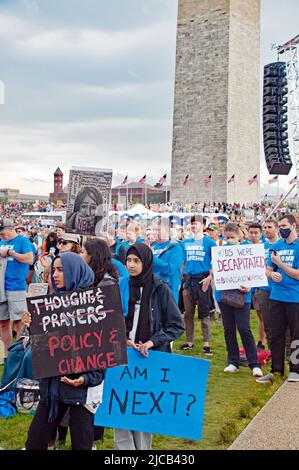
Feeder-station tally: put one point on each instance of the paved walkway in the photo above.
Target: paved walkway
(276, 426)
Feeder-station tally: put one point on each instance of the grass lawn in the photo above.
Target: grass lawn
(232, 400)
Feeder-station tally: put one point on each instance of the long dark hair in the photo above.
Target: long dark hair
(51, 244)
(101, 259)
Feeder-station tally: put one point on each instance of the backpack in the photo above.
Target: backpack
(263, 357)
(7, 404)
(27, 396)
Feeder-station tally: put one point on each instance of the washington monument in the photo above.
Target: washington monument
(216, 127)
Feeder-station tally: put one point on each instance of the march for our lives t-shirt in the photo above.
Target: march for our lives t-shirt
(198, 256)
(16, 272)
(288, 289)
(159, 247)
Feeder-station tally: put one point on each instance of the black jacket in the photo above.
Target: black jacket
(166, 322)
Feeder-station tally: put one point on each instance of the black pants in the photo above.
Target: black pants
(283, 315)
(234, 319)
(81, 427)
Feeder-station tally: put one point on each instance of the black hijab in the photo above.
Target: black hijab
(145, 281)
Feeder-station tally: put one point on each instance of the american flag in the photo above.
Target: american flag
(208, 180)
(294, 180)
(186, 181)
(143, 180)
(161, 181)
(125, 180)
(232, 179)
(253, 180)
(273, 180)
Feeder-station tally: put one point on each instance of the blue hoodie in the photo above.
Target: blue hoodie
(168, 265)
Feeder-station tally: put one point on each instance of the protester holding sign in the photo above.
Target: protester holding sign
(235, 310)
(80, 392)
(197, 270)
(153, 321)
(283, 270)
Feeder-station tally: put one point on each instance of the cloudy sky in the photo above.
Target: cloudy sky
(91, 82)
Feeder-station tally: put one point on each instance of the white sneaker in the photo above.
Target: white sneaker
(231, 368)
(257, 372)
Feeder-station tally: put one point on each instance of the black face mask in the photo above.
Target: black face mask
(285, 233)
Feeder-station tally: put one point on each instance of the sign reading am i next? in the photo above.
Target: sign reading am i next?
(73, 332)
(161, 394)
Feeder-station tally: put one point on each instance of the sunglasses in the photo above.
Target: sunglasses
(64, 242)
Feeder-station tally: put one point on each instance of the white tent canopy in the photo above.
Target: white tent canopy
(141, 212)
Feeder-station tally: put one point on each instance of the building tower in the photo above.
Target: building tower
(58, 181)
(59, 193)
(216, 129)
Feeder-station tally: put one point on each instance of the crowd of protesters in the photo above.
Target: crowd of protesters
(156, 263)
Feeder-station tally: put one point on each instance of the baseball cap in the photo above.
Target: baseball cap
(6, 223)
(71, 237)
(213, 227)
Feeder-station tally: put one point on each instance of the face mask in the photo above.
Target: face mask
(285, 233)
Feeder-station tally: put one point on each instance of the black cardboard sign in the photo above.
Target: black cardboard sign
(73, 332)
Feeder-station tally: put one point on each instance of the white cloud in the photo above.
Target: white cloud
(120, 91)
(37, 150)
(32, 42)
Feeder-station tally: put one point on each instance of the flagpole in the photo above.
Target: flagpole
(278, 205)
(145, 197)
(278, 188)
(127, 197)
(235, 201)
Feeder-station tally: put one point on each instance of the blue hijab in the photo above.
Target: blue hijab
(77, 275)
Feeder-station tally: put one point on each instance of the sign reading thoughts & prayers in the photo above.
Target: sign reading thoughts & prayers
(78, 331)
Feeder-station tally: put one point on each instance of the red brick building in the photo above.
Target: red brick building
(59, 194)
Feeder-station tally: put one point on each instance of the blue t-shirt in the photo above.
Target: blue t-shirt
(267, 246)
(198, 256)
(288, 289)
(16, 273)
(159, 247)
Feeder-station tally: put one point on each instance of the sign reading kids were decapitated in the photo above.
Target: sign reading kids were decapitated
(78, 331)
(162, 394)
(239, 265)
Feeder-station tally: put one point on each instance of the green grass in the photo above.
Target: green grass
(232, 401)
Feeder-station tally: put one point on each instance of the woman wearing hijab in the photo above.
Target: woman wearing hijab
(81, 393)
(153, 321)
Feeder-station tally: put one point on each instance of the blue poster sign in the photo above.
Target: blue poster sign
(159, 394)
